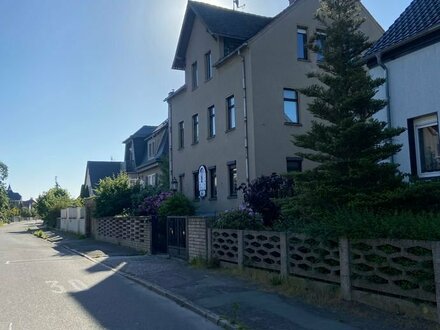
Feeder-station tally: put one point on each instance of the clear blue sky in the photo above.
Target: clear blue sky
(78, 77)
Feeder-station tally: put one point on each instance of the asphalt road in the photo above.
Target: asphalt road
(45, 287)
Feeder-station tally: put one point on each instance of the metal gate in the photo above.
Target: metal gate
(159, 235)
(176, 231)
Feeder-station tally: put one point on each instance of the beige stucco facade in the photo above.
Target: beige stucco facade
(271, 65)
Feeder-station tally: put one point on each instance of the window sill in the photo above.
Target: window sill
(212, 199)
(196, 200)
(180, 148)
(230, 130)
(233, 197)
(289, 123)
(210, 138)
(208, 80)
(195, 88)
(195, 143)
(303, 60)
(427, 176)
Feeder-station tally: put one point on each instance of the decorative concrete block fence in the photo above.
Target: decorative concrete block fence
(132, 232)
(73, 220)
(400, 268)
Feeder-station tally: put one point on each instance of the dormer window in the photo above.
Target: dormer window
(229, 45)
(151, 149)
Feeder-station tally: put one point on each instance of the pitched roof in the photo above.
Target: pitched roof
(219, 22)
(142, 133)
(420, 17)
(101, 170)
(13, 196)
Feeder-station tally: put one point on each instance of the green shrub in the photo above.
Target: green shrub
(238, 219)
(365, 225)
(113, 195)
(177, 204)
(50, 203)
(421, 196)
(41, 234)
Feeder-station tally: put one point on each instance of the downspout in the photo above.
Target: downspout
(245, 112)
(387, 91)
(170, 141)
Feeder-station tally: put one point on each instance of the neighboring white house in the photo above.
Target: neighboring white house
(408, 55)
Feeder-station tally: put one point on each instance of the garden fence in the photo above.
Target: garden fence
(404, 268)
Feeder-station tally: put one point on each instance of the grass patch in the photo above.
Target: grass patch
(41, 234)
(312, 292)
(199, 262)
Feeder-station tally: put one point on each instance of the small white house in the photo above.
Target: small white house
(408, 56)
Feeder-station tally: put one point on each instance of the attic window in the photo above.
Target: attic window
(151, 149)
(230, 45)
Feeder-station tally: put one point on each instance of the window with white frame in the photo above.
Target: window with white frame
(320, 43)
(302, 51)
(195, 75)
(427, 146)
(211, 122)
(208, 66)
(151, 149)
(291, 106)
(151, 179)
(230, 113)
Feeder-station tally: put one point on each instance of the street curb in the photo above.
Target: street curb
(216, 319)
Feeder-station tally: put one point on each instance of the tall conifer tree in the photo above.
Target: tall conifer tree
(351, 147)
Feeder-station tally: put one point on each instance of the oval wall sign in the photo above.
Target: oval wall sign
(202, 181)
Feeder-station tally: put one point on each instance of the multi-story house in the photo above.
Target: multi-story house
(236, 113)
(408, 56)
(144, 150)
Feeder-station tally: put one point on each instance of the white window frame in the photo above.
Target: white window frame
(422, 122)
(151, 180)
(151, 149)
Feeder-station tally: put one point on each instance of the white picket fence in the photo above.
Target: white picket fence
(73, 220)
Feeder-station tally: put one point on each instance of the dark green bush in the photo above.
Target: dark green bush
(365, 225)
(418, 197)
(238, 219)
(177, 204)
(50, 203)
(113, 195)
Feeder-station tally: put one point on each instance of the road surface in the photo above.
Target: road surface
(43, 286)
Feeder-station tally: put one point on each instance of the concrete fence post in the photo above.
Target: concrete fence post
(240, 247)
(344, 260)
(209, 245)
(436, 263)
(284, 271)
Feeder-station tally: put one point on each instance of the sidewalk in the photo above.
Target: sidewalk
(234, 299)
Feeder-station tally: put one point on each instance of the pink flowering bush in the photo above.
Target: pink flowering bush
(150, 206)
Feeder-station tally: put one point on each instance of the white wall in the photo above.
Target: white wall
(73, 220)
(414, 91)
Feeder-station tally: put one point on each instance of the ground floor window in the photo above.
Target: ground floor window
(426, 146)
(213, 182)
(181, 177)
(196, 185)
